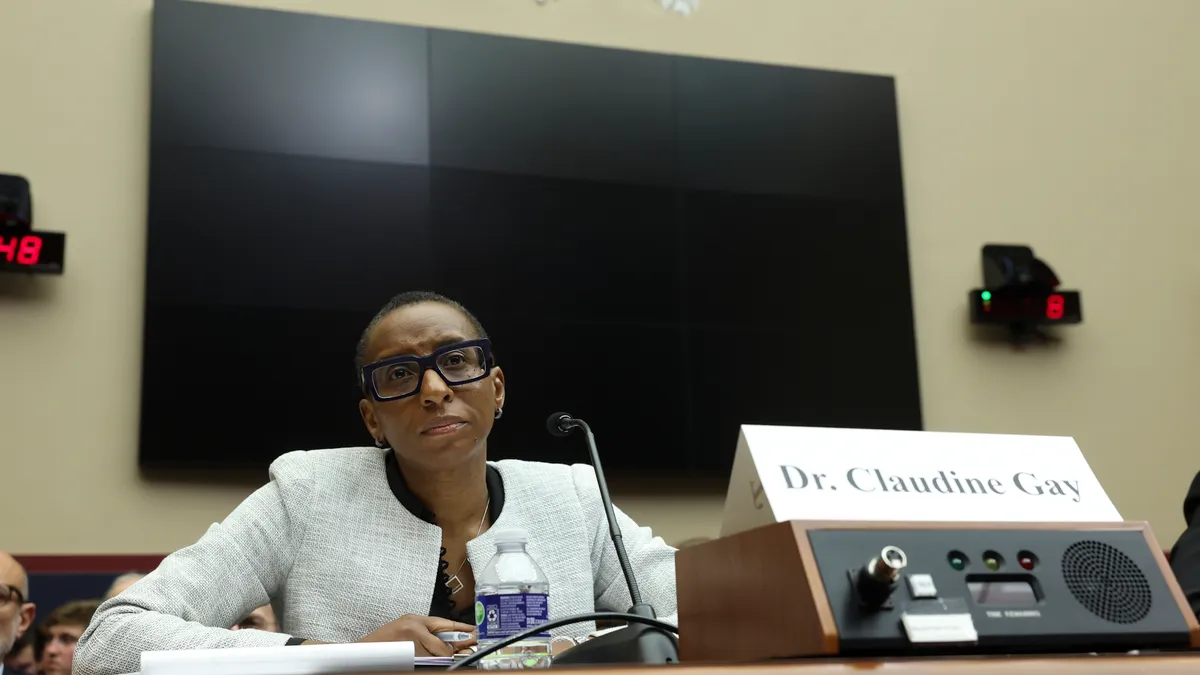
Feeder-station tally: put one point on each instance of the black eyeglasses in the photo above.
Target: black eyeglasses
(400, 376)
(8, 592)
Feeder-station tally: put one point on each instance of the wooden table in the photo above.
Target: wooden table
(1125, 664)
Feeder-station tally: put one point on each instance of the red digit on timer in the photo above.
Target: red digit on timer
(30, 250)
(1054, 307)
(9, 249)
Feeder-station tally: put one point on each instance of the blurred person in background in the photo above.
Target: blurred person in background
(22, 658)
(1185, 556)
(121, 583)
(16, 613)
(62, 630)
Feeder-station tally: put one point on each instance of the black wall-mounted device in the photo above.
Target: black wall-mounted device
(22, 249)
(1021, 292)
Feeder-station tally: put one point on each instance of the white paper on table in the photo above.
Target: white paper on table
(367, 657)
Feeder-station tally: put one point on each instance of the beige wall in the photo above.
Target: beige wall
(1073, 125)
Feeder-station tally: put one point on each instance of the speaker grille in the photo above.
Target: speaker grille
(1107, 582)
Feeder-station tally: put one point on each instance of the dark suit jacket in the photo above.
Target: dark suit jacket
(1185, 556)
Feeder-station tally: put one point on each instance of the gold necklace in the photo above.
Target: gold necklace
(453, 583)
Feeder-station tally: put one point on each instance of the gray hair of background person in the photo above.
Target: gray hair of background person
(121, 583)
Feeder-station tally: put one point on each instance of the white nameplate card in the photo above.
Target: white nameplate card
(939, 628)
(810, 473)
(367, 657)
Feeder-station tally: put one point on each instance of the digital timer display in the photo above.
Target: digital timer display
(1017, 593)
(37, 252)
(1027, 306)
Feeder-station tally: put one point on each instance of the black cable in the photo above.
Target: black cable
(565, 621)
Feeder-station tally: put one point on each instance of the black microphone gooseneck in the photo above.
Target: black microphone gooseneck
(635, 644)
(562, 424)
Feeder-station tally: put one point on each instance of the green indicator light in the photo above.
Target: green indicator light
(986, 295)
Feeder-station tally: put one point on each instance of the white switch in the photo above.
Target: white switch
(921, 586)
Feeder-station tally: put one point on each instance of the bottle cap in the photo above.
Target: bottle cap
(512, 536)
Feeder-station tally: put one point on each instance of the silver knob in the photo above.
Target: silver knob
(885, 567)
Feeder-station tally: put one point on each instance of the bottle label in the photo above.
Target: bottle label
(504, 615)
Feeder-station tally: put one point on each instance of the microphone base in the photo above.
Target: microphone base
(636, 643)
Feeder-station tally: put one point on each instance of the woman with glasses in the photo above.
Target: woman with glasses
(382, 543)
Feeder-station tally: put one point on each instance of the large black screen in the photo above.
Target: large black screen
(665, 246)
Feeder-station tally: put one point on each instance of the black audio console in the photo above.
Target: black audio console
(948, 591)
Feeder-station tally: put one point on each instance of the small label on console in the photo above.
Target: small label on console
(1014, 614)
(939, 628)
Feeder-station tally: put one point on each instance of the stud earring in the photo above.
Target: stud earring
(379, 443)
(499, 413)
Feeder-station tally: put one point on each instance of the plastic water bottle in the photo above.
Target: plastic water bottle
(511, 595)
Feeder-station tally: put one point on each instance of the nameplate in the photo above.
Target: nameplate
(809, 473)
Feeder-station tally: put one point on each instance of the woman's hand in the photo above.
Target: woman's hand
(420, 631)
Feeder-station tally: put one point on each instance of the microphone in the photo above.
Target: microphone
(635, 644)
(559, 424)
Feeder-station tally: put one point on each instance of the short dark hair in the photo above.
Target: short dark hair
(404, 300)
(74, 613)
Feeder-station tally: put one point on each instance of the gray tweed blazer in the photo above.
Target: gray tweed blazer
(327, 543)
